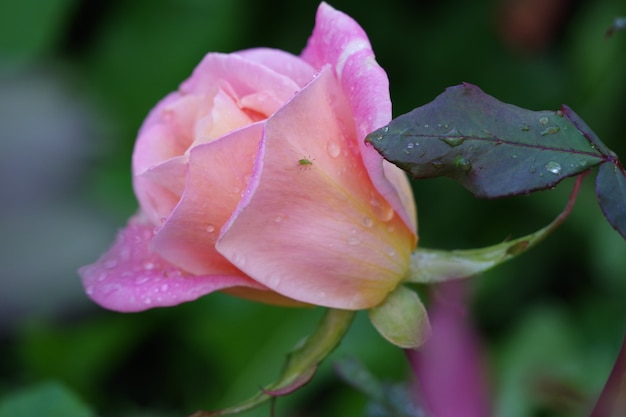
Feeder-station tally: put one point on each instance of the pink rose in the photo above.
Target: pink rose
(254, 179)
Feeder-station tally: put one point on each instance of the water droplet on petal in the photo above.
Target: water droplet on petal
(210, 228)
(383, 210)
(333, 149)
(239, 260)
(553, 167)
(142, 279)
(278, 219)
(368, 222)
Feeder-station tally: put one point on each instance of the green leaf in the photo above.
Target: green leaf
(492, 148)
(611, 192)
(48, 399)
(301, 363)
(402, 318)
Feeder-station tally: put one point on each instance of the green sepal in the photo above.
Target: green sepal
(301, 363)
(402, 318)
(429, 266)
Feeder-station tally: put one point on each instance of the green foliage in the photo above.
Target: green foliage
(496, 149)
(48, 399)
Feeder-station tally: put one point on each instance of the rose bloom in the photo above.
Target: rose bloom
(254, 179)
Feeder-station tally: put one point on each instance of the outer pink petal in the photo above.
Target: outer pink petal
(282, 62)
(159, 188)
(218, 174)
(319, 232)
(130, 277)
(339, 41)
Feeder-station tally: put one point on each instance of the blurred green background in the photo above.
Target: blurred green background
(77, 77)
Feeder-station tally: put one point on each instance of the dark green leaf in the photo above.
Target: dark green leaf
(492, 148)
(611, 192)
(46, 399)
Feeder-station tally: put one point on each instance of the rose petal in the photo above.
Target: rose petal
(217, 177)
(338, 40)
(169, 129)
(317, 232)
(245, 77)
(130, 277)
(282, 62)
(159, 188)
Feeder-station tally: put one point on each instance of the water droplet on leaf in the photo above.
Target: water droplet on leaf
(549, 130)
(543, 120)
(463, 164)
(553, 167)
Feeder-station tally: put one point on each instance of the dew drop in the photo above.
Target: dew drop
(333, 149)
(437, 164)
(278, 219)
(543, 120)
(238, 260)
(385, 129)
(532, 169)
(410, 145)
(463, 164)
(383, 210)
(142, 279)
(452, 141)
(210, 228)
(426, 125)
(524, 127)
(553, 167)
(368, 222)
(551, 130)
